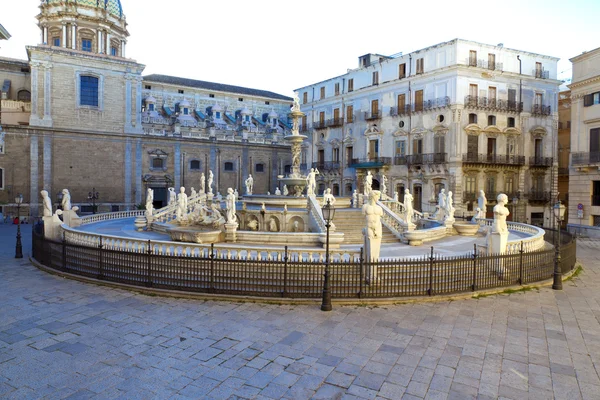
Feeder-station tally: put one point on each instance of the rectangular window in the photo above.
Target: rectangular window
(113, 51)
(473, 90)
(491, 61)
(86, 45)
(419, 100)
(337, 88)
(595, 193)
(400, 148)
(322, 92)
(375, 77)
(491, 185)
(491, 146)
(439, 144)
(538, 99)
(56, 41)
(417, 146)
(538, 70)
(510, 147)
(151, 107)
(212, 96)
(472, 147)
(470, 184)
(595, 142)
(509, 185)
(321, 156)
(180, 91)
(267, 103)
(336, 116)
(349, 155)
(591, 99)
(472, 58)
(420, 66)
(148, 87)
(373, 149)
(492, 94)
(1, 178)
(401, 103)
(322, 118)
(158, 163)
(259, 168)
(539, 149)
(304, 123)
(350, 114)
(336, 155)
(350, 85)
(374, 108)
(305, 97)
(402, 71)
(88, 93)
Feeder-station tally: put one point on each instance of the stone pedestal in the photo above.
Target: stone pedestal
(209, 197)
(372, 249)
(140, 223)
(52, 225)
(231, 232)
(71, 218)
(497, 243)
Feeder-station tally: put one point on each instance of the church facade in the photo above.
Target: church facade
(79, 114)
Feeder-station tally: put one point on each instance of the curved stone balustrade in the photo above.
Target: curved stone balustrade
(90, 219)
(532, 243)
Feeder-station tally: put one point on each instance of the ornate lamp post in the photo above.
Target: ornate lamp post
(328, 214)
(559, 213)
(93, 196)
(19, 246)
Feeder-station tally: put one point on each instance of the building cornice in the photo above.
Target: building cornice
(584, 82)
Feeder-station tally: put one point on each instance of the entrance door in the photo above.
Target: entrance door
(375, 184)
(417, 196)
(160, 197)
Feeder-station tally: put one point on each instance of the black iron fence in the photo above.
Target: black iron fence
(429, 275)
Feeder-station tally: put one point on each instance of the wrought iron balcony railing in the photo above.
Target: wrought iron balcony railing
(401, 160)
(370, 162)
(481, 63)
(539, 109)
(335, 122)
(493, 104)
(469, 196)
(319, 125)
(370, 115)
(540, 161)
(500, 159)
(327, 165)
(426, 159)
(540, 73)
(538, 195)
(585, 158)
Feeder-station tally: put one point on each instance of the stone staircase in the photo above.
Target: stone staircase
(351, 222)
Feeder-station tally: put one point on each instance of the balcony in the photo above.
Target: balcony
(369, 116)
(372, 162)
(400, 110)
(469, 196)
(496, 159)
(538, 196)
(319, 125)
(481, 63)
(542, 162)
(429, 105)
(585, 158)
(539, 109)
(401, 160)
(426, 159)
(332, 123)
(492, 104)
(327, 165)
(15, 112)
(540, 73)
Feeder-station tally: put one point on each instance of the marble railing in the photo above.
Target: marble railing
(316, 215)
(11, 105)
(400, 210)
(90, 219)
(222, 251)
(532, 243)
(168, 213)
(156, 120)
(392, 220)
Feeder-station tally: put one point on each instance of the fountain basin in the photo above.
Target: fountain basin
(192, 234)
(466, 229)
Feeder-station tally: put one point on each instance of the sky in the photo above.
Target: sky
(282, 45)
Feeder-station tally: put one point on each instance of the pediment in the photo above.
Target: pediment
(158, 153)
(512, 131)
(400, 132)
(372, 130)
(418, 132)
(538, 132)
(473, 129)
(440, 129)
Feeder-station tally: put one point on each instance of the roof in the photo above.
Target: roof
(217, 87)
(4, 33)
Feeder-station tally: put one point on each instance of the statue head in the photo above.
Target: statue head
(44, 193)
(502, 198)
(230, 191)
(375, 196)
(65, 191)
(443, 191)
(449, 193)
(481, 192)
(182, 189)
(406, 191)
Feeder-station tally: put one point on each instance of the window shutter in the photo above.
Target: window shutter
(595, 140)
(588, 99)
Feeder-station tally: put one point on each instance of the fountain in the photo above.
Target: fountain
(295, 181)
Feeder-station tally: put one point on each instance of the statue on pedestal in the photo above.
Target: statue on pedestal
(182, 204)
(277, 192)
(236, 194)
(285, 190)
(249, 185)
(172, 196)
(408, 206)
(66, 200)
(384, 181)
(355, 199)
(149, 202)
(373, 232)
(211, 178)
(396, 196)
(449, 207)
(193, 192)
(500, 214)
(47, 203)
(368, 183)
(327, 196)
(202, 183)
(482, 204)
(230, 202)
(311, 182)
(441, 205)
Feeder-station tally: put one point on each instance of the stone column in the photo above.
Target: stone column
(48, 95)
(108, 43)
(34, 93)
(138, 171)
(123, 43)
(128, 171)
(45, 35)
(127, 127)
(47, 166)
(138, 104)
(42, 35)
(100, 41)
(64, 37)
(177, 166)
(74, 36)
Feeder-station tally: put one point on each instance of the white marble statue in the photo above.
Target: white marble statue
(47, 203)
(252, 225)
(311, 182)
(66, 200)
(441, 207)
(172, 196)
(449, 207)
(273, 225)
(149, 202)
(182, 204)
(230, 202)
(481, 205)
(368, 183)
(263, 208)
(355, 199)
(373, 232)
(296, 106)
(249, 185)
(202, 183)
(408, 206)
(384, 181)
(500, 214)
(285, 207)
(193, 192)
(327, 196)
(285, 190)
(396, 196)
(268, 193)
(211, 178)
(277, 192)
(296, 226)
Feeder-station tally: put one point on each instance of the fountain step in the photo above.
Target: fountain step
(351, 222)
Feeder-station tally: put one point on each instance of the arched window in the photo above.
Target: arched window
(491, 120)
(24, 95)
(195, 165)
(511, 122)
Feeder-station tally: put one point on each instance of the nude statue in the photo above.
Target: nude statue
(327, 196)
(230, 201)
(66, 200)
(211, 178)
(202, 183)
(500, 214)
(481, 204)
(311, 181)
(408, 206)
(368, 183)
(47, 203)
(149, 202)
(182, 204)
(249, 184)
(373, 213)
(172, 196)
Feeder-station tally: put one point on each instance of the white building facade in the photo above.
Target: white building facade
(584, 174)
(459, 115)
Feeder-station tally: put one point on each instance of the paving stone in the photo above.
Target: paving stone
(369, 380)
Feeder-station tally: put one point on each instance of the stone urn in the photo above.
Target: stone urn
(140, 223)
(465, 228)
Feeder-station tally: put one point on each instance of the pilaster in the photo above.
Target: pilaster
(177, 166)
(33, 175)
(138, 171)
(47, 166)
(128, 173)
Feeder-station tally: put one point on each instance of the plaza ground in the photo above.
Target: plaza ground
(66, 339)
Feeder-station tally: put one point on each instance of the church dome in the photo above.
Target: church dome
(111, 6)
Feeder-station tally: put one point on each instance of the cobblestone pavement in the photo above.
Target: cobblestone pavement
(65, 339)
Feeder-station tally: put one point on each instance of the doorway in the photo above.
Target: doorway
(160, 197)
(417, 197)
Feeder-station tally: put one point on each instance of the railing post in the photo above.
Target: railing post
(361, 266)
(64, 252)
(149, 265)
(521, 251)
(431, 261)
(212, 267)
(100, 260)
(474, 285)
(285, 267)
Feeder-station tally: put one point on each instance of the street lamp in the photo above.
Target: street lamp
(328, 214)
(19, 246)
(93, 196)
(559, 213)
